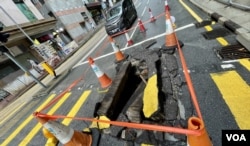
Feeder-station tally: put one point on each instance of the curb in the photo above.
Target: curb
(52, 84)
(242, 34)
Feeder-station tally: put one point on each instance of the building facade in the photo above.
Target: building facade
(32, 24)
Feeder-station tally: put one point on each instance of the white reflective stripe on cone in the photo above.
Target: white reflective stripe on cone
(114, 47)
(60, 131)
(97, 70)
(166, 2)
(169, 28)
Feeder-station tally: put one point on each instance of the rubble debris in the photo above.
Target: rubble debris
(110, 100)
(172, 101)
(134, 111)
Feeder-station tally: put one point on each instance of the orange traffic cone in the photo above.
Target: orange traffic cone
(129, 40)
(104, 80)
(195, 123)
(141, 26)
(167, 8)
(66, 135)
(152, 18)
(118, 54)
(171, 42)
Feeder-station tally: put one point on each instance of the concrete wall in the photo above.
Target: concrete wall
(69, 14)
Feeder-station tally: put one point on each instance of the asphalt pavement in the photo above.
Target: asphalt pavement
(230, 15)
(211, 7)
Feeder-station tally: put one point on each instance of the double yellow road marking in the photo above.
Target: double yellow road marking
(38, 126)
(235, 91)
(20, 127)
(221, 40)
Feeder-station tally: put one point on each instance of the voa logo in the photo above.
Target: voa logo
(236, 137)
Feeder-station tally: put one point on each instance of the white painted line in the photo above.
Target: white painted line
(92, 50)
(155, 37)
(227, 66)
(143, 11)
(135, 2)
(138, 5)
(230, 61)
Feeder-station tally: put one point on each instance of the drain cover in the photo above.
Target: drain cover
(215, 33)
(232, 52)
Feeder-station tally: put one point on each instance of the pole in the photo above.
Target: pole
(10, 57)
(24, 69)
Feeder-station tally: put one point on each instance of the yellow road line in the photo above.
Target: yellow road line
(198, 18)
(76, 107)
(38, 126)
(236, 94)
(20, 127)
(150, 97)
(245, 63)
(221, 40)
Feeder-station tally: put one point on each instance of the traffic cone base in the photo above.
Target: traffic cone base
(119, 56)
(105, 81)
(152, 19)
(195, 123)
(125, 57)
(171, 49)
(80, 138)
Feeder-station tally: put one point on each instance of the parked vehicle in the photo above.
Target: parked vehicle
(120, 17)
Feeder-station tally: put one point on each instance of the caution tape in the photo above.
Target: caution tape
(151, 127)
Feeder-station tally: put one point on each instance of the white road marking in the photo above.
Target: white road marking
(139, 43)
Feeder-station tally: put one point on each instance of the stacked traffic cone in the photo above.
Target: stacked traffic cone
(203, 139)
(152, 18)
(171, 42)
(167, 8)
(141, 26)
(66, 135)
(104, 80)
(129, 40)
(118, 54)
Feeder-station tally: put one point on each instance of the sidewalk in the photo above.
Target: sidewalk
(37, 90)
(234, 18)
